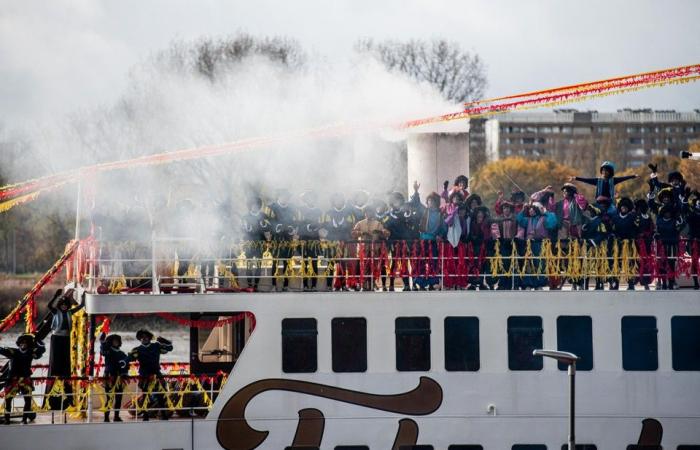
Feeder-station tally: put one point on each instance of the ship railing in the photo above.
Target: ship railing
(84, 399)
(347, 264)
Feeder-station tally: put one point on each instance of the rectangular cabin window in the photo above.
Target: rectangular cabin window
(416, 447)
(644, 447)
(529, 447)
(580, 447)
(575, 335)
(524, 336)
(299, 345)
(462, 343)
(688, 447)
(639, 344)
(685, 342)
(351, 447)
(301, 447)
(465, 447)
(412, 344)
(349, 338)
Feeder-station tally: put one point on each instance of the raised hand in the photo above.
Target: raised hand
(416, 186)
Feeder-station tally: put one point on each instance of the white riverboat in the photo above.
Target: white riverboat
(425, 370)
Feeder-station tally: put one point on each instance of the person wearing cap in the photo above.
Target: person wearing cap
(517, 202)
(461, 185)
(645, 227)
(396, 221)
(457, 223)
(337, 225)
(605, 184)
(151, 379)
(479, 236)
(675, 181)
(504, 228)
(20, 372)
(62, 312)
(569, 212)
(255, 225)
(599, 228)
(431, 227)
(116, 365)
(668, 227)
(285, 220)
(624, 229)
(534, 224)
(311, 221)
(692, 217)
(370, 232)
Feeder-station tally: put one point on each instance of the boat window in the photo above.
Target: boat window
(462, 343)
(639, 345)
(412, 344)
(685, 342)
(688, 447)
(529, 447)
(574, 335)
(301, 447)
(299, 353)
(465, 447)
(349, 338)
(351, 447)
(415, 447)
(524, 336)
(644, 447)
(580, 447)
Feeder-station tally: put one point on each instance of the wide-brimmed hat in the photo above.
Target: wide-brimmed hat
(112, 337)
(143, 332)
(26, 337)
(626, 202)
(569, 187)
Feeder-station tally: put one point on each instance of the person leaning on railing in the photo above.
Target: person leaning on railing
(370, 232)
(19, 376)
(624, 229)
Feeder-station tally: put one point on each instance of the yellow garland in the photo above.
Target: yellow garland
(497, 266)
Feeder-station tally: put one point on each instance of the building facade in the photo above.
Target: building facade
(580, 138)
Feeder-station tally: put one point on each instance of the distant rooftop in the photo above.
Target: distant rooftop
(645, 115)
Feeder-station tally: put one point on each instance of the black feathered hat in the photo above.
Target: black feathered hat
(462, 179)
(517, 196)
(641, 206)
(627, 202)
(26, 337)
(675, 175)
(143, 332)
(112, 337)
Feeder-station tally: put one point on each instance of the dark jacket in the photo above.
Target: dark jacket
(21, 362)
(116, 361)
(148, 356)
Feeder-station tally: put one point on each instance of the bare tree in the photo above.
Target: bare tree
(209, 56)
(458, 74)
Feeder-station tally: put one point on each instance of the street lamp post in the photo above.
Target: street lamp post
(569, 359)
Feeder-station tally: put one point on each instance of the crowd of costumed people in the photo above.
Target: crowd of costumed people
(452, 240)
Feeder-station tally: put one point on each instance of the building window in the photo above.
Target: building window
(528, 140)
(349, 342)
(685, 342)
(575, 335)
(636, 140)
(545, 130)
(524, 336)
(669, 140)
(690, 129)
(529, 447)
(299, 353)
(461, 343)
(531, 129)
(670, 129)
(639, 345)
(412, 344)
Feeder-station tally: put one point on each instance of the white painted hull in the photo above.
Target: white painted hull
(530, 406)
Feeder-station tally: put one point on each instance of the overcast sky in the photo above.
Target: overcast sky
(60, 55)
